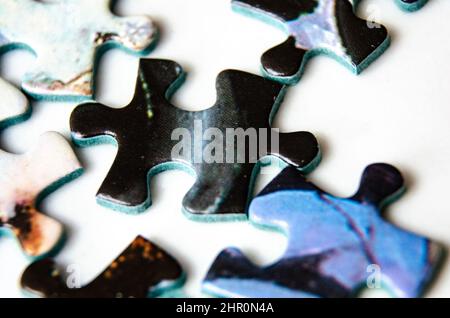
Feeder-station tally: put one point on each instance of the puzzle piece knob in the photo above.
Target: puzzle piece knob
(380, 183)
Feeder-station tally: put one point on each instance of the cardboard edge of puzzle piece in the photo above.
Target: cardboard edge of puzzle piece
(14, 106)
(405, 5)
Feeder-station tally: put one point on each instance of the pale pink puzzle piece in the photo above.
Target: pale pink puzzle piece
(24, 180)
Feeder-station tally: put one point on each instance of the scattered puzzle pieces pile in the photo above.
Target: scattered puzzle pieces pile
(335, 245)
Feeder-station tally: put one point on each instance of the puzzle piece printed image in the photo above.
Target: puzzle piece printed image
(144, 130)
(67, 36)
(24, 181)
(13, 105)
(315, 27)
(335, 245)
(142, 270)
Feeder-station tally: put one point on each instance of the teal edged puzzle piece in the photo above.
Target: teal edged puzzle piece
(67, 36)
(25, 180)
(315, 27)
(336, 246)
(153, 135)
(406, 5)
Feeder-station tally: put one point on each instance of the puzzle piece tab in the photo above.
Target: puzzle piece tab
(24, 181)
(66, 36)
(315, 27)
(335, 246)
(13, 105)
(149, 132)
(142, 270)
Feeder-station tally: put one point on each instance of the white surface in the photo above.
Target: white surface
(397, 111)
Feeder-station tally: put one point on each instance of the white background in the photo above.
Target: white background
(397, 111)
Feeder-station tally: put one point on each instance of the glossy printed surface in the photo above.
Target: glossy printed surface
(144, 131)
(24, 181)
(65, 35)
(315, 27)
(336, 246)
(142, 270)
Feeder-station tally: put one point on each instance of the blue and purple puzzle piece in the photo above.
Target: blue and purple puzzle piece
(335, 245)
(314, 27)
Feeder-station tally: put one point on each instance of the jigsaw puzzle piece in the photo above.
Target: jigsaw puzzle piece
(13, 105)
(142, 270)
(24, 181)
(150, 130)
(407, 5)
(327, 27)
(335, 246)
(66, 36)
(411, 5)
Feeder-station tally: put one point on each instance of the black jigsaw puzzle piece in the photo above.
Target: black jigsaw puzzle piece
(142, 270)
(144, 132)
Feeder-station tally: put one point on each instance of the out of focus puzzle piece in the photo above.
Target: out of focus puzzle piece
(13, 105)
(315, 27)
(407, 5)
(142, 270)
(24, 181)
(335, 246)
(150, 130)
(66, 36)
(411, 5)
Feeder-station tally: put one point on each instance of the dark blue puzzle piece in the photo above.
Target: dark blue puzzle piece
(333, 243)
(144, 130)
